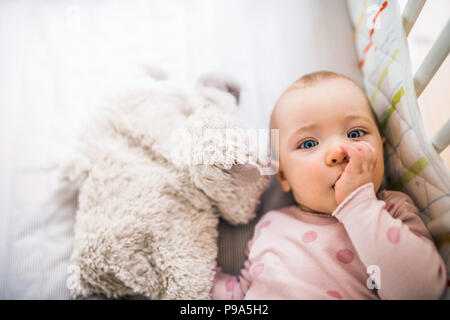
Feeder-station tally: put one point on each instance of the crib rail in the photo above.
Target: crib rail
(433, 60)
(442, 137)
(410, 14)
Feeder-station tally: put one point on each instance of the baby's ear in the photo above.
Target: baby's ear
(280, 176)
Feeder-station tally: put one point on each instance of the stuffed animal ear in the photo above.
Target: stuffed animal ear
(245, 173)
(155, 72)
(222, 82)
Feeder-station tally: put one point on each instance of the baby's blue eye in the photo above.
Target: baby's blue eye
(308, 143)
(357, 136)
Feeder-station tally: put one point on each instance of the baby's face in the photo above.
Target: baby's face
(335, 111)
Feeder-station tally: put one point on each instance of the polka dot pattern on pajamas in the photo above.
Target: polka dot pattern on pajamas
(334, 294)
(393, 234)
(309, 236)
(345, 255)
(264, 224)
(301, 255)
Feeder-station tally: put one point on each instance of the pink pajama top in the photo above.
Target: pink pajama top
(368, 248)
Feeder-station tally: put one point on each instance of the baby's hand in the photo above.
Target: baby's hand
(359, 170)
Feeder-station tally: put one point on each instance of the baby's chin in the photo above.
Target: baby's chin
(327, 209)
(326, 206)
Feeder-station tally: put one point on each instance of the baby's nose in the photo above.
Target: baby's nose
(336, 157)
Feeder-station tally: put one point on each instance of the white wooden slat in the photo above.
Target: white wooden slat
(442, 137)
(433, 60)
(410, 14)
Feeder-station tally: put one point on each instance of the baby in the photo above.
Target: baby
(343, 239)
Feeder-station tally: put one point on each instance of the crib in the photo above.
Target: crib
(64, 57)
(385, 62)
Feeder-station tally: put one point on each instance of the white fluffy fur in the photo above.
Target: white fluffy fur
(147, 219)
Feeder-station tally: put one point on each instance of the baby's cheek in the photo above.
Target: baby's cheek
(311, 176)
(316, 174)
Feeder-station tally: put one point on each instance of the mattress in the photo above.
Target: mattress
(64, 58)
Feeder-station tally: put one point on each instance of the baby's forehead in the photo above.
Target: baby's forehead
(322, 98)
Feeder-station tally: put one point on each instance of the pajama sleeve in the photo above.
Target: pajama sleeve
(393, 242)
(230, 287)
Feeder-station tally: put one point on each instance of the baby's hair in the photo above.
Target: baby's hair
(313, 78)
(310, 79)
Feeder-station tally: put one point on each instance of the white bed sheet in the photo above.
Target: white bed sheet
(58, 59)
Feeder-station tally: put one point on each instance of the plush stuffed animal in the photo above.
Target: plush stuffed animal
(158, 167)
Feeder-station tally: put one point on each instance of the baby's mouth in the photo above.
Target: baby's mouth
(332, 187)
